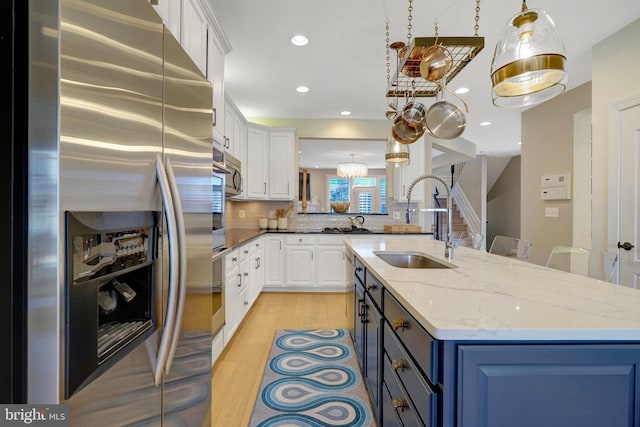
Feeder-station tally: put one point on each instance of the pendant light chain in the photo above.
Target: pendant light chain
(476, 27)
(386, 32)
(409, 26)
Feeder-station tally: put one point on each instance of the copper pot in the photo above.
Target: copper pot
(406, 134)
(435, 63)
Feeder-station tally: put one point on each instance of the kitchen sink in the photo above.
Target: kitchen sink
(410, 259)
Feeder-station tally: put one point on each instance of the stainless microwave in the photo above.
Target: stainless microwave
(233, 181)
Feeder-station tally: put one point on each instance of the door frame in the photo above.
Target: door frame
(615, 111)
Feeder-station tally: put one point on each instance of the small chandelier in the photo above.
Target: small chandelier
(352, 169)
(396, 154)
(528, 62)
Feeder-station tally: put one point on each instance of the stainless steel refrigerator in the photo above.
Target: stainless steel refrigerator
(117, 124)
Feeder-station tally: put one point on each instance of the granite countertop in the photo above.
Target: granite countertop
(490, 297)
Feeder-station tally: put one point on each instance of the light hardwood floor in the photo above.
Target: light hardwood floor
(238, 371)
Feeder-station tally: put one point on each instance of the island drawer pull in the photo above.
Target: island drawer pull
(399, 404)
(399, 364)
(399, 324)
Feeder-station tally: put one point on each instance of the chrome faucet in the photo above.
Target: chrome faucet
(449, 246)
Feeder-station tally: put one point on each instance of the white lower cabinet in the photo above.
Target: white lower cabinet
(331, 266)
(233, 307)
(244, 280)
(300, 263)
(274, 260)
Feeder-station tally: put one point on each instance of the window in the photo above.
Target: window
(366, 195)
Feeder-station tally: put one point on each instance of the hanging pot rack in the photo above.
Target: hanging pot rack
(407, 75)
(462, 49)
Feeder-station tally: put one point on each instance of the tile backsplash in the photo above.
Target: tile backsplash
(252, 211)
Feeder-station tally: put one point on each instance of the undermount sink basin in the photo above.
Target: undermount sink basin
(409, 259)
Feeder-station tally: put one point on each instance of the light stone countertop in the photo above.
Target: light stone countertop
(490, 297)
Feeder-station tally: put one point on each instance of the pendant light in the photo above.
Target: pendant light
(352, 169)
(528, 62)
(396, 154)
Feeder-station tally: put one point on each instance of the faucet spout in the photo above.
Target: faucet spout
(449, 246)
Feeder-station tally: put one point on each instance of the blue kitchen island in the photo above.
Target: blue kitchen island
(485, 340)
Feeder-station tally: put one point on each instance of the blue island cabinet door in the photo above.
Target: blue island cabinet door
(548, 385)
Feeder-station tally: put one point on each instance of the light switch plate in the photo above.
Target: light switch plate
(396, 214)
(241, 213)
(551, 212)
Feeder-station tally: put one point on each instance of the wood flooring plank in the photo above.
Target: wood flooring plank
(237, 373)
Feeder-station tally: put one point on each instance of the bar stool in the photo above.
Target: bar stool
(570, 259)
(511, 247)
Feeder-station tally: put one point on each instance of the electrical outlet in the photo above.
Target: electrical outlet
(241, 213)
(396, 214)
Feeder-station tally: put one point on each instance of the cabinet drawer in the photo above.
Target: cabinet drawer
(359, 270)
(419, 344)
(298, 239)
(244, 251)
(396, 405)
(231, 259)
(331, 240)
(374, 287)
(255, 245)
(406, 373)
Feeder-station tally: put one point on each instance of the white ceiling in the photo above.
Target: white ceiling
(344, 64)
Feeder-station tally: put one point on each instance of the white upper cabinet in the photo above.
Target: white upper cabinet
(193, 36)
(281, 164)
(215, 74)
(256, 171)
(270, 170)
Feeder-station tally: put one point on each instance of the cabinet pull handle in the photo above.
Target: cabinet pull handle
(399, 324)
(399, 404)
(246, 251)
(239, 280)
(371, 287)
(246, 303)
(234, 259)
(398, 364)
(358, 269)
(265, 188)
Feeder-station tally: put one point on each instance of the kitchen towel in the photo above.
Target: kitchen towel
(312, 379)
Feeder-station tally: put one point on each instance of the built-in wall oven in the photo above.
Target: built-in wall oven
(220, 175)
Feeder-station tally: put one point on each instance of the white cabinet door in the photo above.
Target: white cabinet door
(215, 74)
(274, 251)
(169, 11)
(331, 266)
(229, 125)
(257, 281)
(281, 165)
(194, 34)
(300, 265)
(403, 176)
(233, 306)
(255, 172)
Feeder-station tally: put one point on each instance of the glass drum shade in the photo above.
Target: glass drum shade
(352, 170)
(396, 153)
(528, 62)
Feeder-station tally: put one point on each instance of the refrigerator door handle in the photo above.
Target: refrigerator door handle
(182, 257)
(167, 203)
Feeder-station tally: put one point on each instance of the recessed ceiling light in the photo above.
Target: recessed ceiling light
(485, 123)
(302, 89)
(462, 90)
(345, 113)
(299, 40)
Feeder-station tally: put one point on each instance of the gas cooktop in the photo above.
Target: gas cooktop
(345, 230)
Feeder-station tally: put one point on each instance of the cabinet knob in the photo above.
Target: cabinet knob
(399, 404)
(398, 364)
(399, 324)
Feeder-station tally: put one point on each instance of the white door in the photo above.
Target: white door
(629, 178)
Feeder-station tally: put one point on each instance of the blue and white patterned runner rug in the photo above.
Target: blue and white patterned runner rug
(312, 379)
